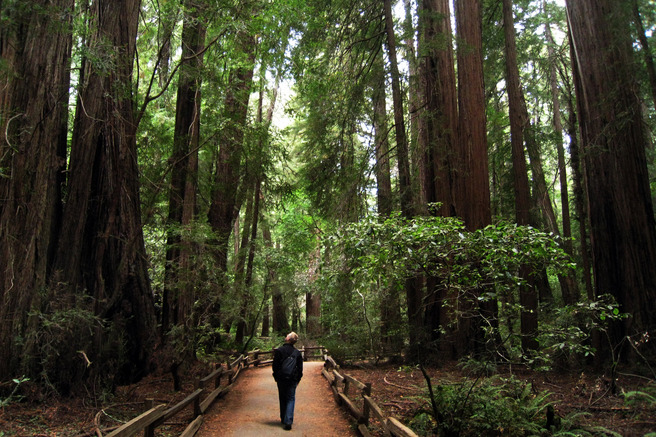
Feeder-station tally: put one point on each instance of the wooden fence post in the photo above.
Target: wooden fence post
(149, 431)
(197, 410)
(366, 391)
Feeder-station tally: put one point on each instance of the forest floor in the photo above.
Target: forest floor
(584, 397)
(400, 391)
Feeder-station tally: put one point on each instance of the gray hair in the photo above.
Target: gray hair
(292, 337)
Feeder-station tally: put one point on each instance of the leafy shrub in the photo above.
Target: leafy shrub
(13, 396)
(565, 331)
(491, 406)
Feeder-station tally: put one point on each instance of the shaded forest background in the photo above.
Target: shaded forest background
(417, 180)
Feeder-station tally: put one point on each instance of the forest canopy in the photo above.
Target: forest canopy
(412, 180)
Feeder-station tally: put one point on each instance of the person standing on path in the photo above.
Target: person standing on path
(287, 371)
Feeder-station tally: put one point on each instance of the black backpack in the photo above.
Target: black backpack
(288, 368)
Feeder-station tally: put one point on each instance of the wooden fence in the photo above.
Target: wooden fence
(346, 390)
(208, 391)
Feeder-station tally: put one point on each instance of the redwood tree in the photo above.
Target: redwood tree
(613, 137)
(35, 49)
(100, 252)
(472, 199)
(178, 298)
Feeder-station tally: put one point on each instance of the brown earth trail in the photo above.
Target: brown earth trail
(250, 408)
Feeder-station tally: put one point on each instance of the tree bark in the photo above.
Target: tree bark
(178, 294)
(623, 232)
(472, 183)
(405, 188)
(473, 174)
(101, 248)
(223, 208)
(646, 50)
(35, 50)
(438, 120)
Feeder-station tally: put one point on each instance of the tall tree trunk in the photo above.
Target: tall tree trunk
(528, 298)
(580, 198)
(178, 293)
(241, 293)
(385, 200)
(569, 289)
(646, 50)
(438, 121)
(168, 16)
(35, 50)
(472, 183)
(390, 310)
(416, 156)
(405, 188)
(312, 298)
(101, 248)
(413, 285)
(623, 232)
(223, 210)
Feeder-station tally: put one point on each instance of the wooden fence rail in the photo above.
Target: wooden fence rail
(344, 385)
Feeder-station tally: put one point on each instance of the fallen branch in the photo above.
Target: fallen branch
(397, 385)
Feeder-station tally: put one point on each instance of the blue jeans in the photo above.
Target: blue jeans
(287, 398)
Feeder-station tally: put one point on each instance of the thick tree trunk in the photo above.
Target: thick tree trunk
(101, 249)
(623, 232)
(438, 121)
(472, 183)
(439, 117)
(35, 50)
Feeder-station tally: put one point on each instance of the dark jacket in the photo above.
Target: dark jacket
(279, 356)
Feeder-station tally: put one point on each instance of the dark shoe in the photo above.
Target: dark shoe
(287, 427)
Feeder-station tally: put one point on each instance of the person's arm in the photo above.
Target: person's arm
(299, 365)
(277, 362)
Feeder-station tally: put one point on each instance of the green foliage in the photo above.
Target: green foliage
(489, 406)
(13, 396)
(63, 349)
(647, 398)
(268, 343)
(643, 402)
(373, 255)
(565, 331)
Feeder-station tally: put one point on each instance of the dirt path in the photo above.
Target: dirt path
(250, 408)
